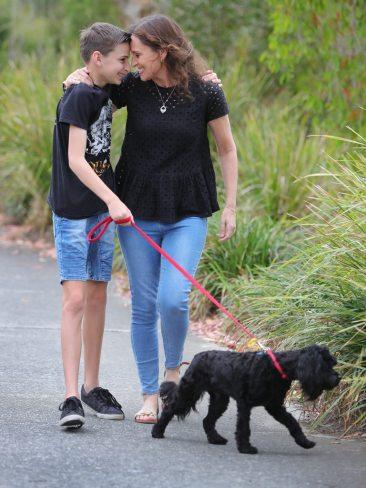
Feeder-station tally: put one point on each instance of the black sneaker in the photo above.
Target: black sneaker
(103, 403)
(72, 413)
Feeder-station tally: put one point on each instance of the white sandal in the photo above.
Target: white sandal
(149, 416)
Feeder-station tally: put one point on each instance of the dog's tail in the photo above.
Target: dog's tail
(182, 398)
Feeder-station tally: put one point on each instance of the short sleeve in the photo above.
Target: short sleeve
(118, 93)
(79, 106)
(216, 102)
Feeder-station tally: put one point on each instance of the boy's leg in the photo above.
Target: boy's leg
(99, 269)
(72, 251)
(93, 328)
(73, 298)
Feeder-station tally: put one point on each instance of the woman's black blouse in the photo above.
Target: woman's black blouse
(165, 171)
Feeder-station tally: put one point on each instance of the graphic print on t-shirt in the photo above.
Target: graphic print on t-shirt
(99, 133)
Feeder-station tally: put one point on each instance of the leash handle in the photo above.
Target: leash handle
(104, 225)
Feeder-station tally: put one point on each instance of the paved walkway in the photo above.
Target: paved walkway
(35, 453)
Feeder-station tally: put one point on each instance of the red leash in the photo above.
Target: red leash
(103, 225)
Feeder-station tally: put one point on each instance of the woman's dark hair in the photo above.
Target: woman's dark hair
(182, 61)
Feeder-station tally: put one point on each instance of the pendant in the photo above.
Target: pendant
(163, 109)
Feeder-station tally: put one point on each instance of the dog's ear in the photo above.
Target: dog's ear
(328, 358)
(309, 371)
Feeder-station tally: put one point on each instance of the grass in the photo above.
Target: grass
(274, 153)
(28, 105)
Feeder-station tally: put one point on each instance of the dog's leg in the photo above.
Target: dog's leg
(159, 428)
(180, 403)
(218, 405)
(242, 433)
(280, 414)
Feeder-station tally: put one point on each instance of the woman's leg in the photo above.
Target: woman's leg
(184, 241)
(143, 266)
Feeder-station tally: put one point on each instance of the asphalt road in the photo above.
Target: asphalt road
(34, 452)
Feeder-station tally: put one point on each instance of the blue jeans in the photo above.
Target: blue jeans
(158, 288)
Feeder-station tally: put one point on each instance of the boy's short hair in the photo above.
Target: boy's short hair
(102, 37)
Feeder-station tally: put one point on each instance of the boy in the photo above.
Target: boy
(81, 194)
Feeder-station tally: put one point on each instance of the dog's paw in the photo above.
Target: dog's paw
(309, 444)
(305, 443)
(157, 433)
(248, 450)
(216, 439)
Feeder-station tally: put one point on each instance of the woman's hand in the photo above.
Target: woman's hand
(78, 76)
(228, 223)
(211, 76)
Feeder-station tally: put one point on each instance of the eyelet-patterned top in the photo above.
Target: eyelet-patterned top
(165, 171)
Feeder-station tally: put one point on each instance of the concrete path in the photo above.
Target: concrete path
(35, 453)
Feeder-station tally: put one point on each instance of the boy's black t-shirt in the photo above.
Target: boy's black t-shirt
(90, 108)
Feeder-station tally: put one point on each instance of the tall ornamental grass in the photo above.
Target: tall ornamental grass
(27, 116)
(28, 100)
(319, 295)
(274, 152)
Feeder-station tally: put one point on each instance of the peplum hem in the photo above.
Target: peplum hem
(167, 198)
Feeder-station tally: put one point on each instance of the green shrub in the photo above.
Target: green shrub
(231, 23)
(317, 48)
(43, 26)
(257, 243)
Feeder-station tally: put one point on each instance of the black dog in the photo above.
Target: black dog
(251, 379)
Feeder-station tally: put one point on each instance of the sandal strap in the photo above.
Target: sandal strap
(146, 413)
(146, 417)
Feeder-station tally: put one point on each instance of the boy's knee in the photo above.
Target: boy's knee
(96, 296)
(73, 304)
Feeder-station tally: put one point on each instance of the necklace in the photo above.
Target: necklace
(163, 106)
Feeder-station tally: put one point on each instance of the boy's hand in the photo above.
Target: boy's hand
(78, 76)
(211, 76)
(119, 211)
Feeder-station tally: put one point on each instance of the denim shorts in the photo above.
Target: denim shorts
(77, 259)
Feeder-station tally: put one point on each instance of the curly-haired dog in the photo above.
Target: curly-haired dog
(251, 379)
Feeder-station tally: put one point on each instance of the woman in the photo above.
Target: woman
(166, 178)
